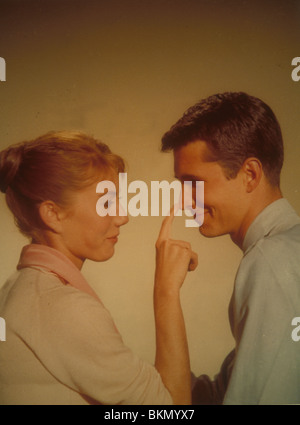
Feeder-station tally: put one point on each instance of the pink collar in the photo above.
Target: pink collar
(44, 257)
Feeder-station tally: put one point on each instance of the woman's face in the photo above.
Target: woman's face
(86, 235)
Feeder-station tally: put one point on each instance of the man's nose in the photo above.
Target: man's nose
(187, 197)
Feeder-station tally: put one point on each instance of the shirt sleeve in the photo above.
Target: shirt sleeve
(78, 343)
(211, 392)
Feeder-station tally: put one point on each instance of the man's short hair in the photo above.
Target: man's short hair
(235, 127)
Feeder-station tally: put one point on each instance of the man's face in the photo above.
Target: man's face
(225, 204)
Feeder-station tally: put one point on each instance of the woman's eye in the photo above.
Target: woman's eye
(110, 202)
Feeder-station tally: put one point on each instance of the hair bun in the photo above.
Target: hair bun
(10, 160)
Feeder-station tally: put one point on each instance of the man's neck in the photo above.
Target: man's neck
(256, 207)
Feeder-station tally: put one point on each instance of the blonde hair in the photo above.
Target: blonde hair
(50, 167)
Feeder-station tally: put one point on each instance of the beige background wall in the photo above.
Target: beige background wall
(125, 71)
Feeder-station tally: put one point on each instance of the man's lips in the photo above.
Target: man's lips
(202, 214)
(203, 210)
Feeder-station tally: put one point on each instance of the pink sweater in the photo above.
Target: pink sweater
(62, 346)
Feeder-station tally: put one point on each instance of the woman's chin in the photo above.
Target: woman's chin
(102, 256)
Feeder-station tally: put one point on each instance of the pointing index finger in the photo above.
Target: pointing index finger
(166, 227)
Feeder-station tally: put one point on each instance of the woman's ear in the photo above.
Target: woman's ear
(253, 172)
(50, 214)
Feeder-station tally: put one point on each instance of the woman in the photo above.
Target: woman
(62, 346)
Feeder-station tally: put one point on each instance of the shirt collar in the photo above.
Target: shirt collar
(275, 218)
(53, 261)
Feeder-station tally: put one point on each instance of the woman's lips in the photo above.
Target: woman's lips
(113, 238)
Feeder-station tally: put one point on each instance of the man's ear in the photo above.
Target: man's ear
(253, 172)
(51, 215)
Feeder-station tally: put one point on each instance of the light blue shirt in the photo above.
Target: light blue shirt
(264, 368)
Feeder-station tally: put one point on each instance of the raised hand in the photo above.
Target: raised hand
(173, 260)
(173, 257)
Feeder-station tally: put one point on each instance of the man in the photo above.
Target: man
(233, 142)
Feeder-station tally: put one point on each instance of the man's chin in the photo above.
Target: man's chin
(207, 231)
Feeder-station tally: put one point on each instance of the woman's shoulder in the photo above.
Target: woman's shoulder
(36, 301)
(31, 289)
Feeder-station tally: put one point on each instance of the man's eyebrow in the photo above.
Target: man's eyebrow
(188, 177)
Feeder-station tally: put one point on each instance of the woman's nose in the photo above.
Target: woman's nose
(122, 216)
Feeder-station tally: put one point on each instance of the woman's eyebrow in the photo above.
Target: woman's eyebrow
(107, 192)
